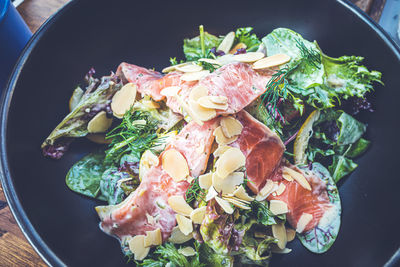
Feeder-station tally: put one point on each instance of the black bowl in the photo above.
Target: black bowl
(63, 226)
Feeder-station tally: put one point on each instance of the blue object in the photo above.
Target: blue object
(390, 19)
(14, 34)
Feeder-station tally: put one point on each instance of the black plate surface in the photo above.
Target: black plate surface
(63, 226)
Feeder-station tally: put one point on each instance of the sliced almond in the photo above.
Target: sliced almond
(221, 139)
(241, 193)
(291, 234)
(237, 203)
(184, 224)
(287, 177)
(179, 205)
(226, 59)
(218, 99)
(228, 184)
(237, 47)
(220, 150)
(189, 68)
(205, 180)
(150, 104)
(205, 102)
(279, 232)
(281, 251)
(147, 161)
(99, 123)
(194, 76)
(202, 113)
(170, 91)
(231, 126)
(281, 189)
(136, 245)
(271, 61)
(224, 205)
(210, 61)
(150, 219)
(237, 199)
(153, 238)
(175, 165)
(99, 138)
(177, 237)
(227, 43)
(298, 177)
(249, 57)
(123, 100)
(185, 108)
(211, 193)
(266, 190)
(305, 219)
(197, 92)
(172, 68)
(230, 161)
(278, 207)
(187, 251)
(198, 214)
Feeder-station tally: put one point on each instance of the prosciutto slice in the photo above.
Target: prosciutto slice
(146, 209)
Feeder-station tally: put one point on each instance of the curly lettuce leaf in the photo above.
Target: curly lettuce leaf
(244, 35)
(350, 129)
(212, 259)
(199, 46)
(322, 237)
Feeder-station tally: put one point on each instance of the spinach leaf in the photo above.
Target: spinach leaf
(358, 148)
(199, 46)
(111, 190)
(321, 238)
(244, 35)
(95, 99)
(350, 129)
(85, 175)
(341, 166)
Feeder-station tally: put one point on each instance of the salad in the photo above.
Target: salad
(227, 155)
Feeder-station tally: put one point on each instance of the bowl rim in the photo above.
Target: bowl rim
(49, 257)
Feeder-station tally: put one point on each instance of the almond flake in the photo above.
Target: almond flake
(230, 161)
(305, 219)
(123, 100)
(198, 214)
(206, 102)
(179, 205)
(220, 150)
(224, 205)
(190, 67)
(291, 234)
(287, 177)
(221, 139)
(170, 91)
(231, 126)
(279, 232)
(200, 112)
(194, 76)
(205, 180)
(271, 61)
(298, 177)
(172, 68)
(211, 193)
(197, 92)
(237, 203)
(177, 237)
(210, 60)
(136, 246)
(249, 57)
(175, 164)
(266, 190)
(241, 193)
(218, 99)
(184, 224)
(226, 59)
(281, 189)
(281, 251)
(99, 123)
(278, 207)
(236, 47)
(153, 238)
(228, 184)
(187, 251)
(147, 161)
(227, 43)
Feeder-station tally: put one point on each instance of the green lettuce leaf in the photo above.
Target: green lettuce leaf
(350, 129)
(322, 237)
(212, 259)
(194, 49)
(341, 166)
(244, 35)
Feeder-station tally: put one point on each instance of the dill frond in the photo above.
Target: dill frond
(312, 57)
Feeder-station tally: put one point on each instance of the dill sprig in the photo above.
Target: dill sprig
(195, 191)
(311, 56)
(135, 134)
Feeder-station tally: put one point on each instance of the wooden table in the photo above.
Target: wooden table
(14, 248)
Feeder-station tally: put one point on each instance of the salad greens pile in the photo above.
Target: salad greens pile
(337, 88)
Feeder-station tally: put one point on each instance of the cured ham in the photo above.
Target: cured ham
(147, 209)
(263, 150)
(236, 81)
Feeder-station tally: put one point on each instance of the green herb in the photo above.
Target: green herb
(135, 134)
(312, 57)
(173, 61)
(194, 191)
(244, 35)
(261, 212)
